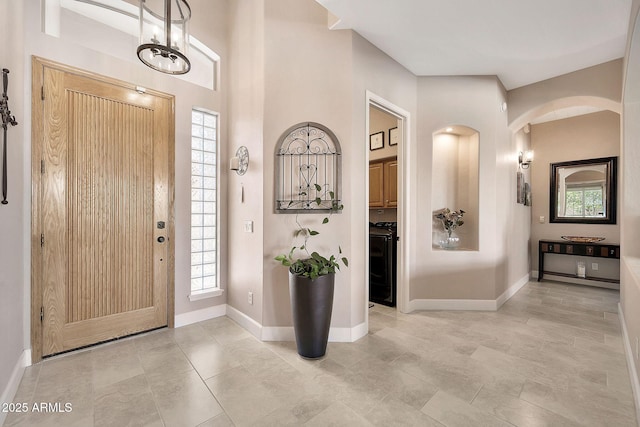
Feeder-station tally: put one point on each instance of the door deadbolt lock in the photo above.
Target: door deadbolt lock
(160, 225)
(160, 239)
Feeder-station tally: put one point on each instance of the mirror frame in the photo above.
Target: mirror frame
(611, 184)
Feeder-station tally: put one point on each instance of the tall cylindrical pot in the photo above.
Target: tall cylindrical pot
(311, 304)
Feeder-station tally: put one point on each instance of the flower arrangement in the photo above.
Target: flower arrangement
(450, 219)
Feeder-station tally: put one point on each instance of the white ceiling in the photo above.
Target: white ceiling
(520, 41)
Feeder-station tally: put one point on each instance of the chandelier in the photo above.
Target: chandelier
(164, 36)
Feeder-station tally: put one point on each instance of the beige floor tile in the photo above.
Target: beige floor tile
(297, 413)
(395, 412)
(454, 412)
(244, 399)
(582, 404)
(183, 400)
(451, 375)
(167, 358)
(517, 411)
(28, 383)
(126, 403)
(224, 330)
(344, 354)
(153, 339)
(190, 335)
(337, 415)
(209, 358)
(115, 363)
(552, 355)
(221, 420)
(552, 375)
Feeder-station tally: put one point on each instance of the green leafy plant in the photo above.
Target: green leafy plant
(312, 264)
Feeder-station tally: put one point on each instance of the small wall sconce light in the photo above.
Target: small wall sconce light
(525, 159)
(240, 163)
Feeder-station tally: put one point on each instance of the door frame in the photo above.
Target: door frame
(37, 142)
(402, 275)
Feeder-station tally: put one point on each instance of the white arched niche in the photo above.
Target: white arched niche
(455, 182)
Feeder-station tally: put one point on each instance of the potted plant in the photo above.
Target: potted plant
(311, 285)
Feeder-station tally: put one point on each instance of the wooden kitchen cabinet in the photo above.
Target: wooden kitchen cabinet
(383, 183)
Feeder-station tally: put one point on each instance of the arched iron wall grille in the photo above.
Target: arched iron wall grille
(308, 169)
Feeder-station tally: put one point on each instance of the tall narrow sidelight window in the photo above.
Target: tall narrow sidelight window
(204, 198)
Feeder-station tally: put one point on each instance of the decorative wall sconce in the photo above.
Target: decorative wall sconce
(525, 159)
(164, 36)
(240, 163)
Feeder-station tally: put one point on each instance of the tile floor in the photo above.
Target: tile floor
(552, 356)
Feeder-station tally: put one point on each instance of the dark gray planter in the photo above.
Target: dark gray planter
(311, 304)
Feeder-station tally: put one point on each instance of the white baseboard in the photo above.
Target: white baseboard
(453, 304)
(511, 291)
(253, 327)
(200, 315)
(359, 331)
(468, 304)
(534, 274)
(276, 333)
(348, 334)
(264, 333)
(633, 373)
(14, 381)
(579, 281)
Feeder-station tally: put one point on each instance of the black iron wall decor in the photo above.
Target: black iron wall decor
(308, 169)
(7, 119)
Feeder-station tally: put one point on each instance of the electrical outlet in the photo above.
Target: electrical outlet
(250, 298)
(594, 266)
(248, 226)
(541, 220)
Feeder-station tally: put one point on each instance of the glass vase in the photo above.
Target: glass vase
(449, 240)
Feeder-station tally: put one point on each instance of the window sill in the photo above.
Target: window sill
(209, 293)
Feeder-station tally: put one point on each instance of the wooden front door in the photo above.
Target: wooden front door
(103, 208)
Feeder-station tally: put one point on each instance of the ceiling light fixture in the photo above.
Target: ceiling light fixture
(164, 21)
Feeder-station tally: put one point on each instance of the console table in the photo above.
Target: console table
(565, 247)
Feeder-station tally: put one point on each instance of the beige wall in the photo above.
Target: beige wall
(378, 74)
(630, 203)
(583, 137)
(473, 102)
(307, 78)
(246, 115)
(14, 217)
(598, 86)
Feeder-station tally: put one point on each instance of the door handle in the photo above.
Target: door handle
(160, 239)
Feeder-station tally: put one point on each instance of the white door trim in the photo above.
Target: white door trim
(403, 204)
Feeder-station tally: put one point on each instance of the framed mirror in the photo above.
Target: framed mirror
(584, 191)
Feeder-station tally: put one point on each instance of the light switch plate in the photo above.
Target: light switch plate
(541, 219)
(248, 226)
